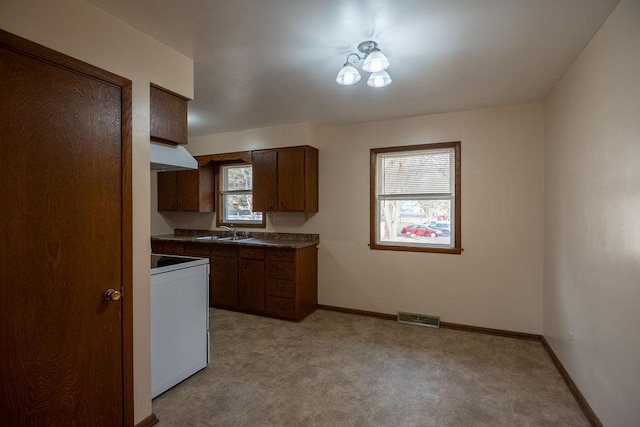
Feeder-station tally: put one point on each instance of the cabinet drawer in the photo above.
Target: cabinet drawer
(251, 253)
(224, 251)
(173, 248)
(281, 255)
(281, 288)
(280, 306)
(197, 250)
(157, 247)
(281, 270)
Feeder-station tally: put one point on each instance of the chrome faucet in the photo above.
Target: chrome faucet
(232, 229)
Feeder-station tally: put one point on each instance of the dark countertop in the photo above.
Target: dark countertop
(257, 239)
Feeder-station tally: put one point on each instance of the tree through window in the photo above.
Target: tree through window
(415, 198)
(236, 199)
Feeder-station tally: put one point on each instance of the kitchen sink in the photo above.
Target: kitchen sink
(234, 238)
(207, 238)
(224, 239)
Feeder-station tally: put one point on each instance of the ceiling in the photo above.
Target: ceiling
(269, 62)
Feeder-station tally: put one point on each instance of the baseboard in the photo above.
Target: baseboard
(151, 420)
(491, 331)
(573, 388)
(445, 325)
(358, 312)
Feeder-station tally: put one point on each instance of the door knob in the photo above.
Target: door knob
(112, 295)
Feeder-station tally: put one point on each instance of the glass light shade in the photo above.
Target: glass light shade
(379, 79)
(375, 61)
(348, 75)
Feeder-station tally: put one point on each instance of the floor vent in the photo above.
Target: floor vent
(419, 319)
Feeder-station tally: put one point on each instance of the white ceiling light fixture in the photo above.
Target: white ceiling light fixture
(348, 75)
(375, 62)
(379, 79)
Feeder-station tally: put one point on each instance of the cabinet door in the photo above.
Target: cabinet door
(188, 190)
(251, 285)
(168, 116)
(223, 282)
(265, 180)
(291, 186)
(167, 191)
(206, 188)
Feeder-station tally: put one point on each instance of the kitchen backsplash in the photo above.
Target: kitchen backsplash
(254, 234)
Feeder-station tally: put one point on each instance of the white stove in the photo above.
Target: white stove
(164, 263)
(179, 319)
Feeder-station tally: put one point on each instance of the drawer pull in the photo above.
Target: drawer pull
(280, 255)
(280, 267)
(281, 285)
(280, 303)
(251, 253)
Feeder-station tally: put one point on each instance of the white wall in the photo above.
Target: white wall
(592, 230)
(81, 30)
(495, 283)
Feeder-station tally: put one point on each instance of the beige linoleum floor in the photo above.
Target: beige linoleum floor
(337, 369)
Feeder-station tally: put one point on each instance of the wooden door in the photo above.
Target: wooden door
(251, 285)
(265, 180)
(291, 179)
(65, 222)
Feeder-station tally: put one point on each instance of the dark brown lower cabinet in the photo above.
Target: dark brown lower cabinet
(275, 282)
(168, 248)
(251, 285)
(278, 306)
(223, 280)
(198, 250)
(291, 282)
(251, 279)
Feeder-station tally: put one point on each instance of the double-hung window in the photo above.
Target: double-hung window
(415, 198)
(236, 199)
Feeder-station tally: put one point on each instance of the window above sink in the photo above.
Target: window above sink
(236, 196)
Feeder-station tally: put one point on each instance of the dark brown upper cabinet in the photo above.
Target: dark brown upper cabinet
(189, 190)
(285, 179)
(168, 116)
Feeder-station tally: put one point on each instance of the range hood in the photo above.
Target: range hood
(170, 158)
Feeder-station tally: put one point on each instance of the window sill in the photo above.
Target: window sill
(456, 251)
(240, 224)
